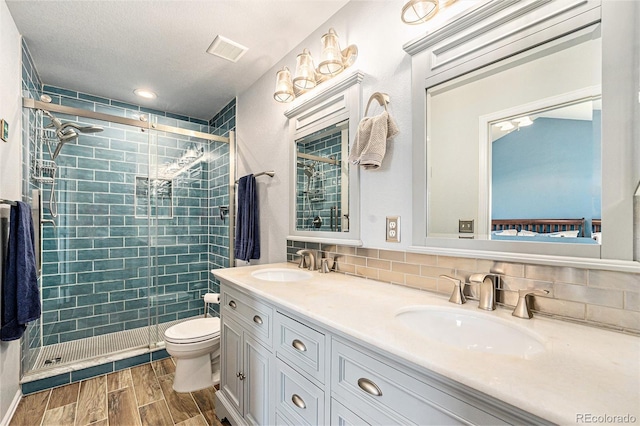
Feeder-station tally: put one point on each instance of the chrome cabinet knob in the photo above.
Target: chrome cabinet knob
(369, 387)
(299, 345)
(298, 401)
(232, 304)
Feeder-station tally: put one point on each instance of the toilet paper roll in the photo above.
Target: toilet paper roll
(212, 298)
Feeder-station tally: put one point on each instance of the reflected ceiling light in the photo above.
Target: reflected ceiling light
(505, 126)
(523, 121)
(418, 11)
(143, 93)
(332, 62)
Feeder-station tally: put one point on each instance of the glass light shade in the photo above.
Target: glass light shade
(331, 62)
(419, 11)
(284, 87)
(524, 121)
(505, 126)
(305, 71)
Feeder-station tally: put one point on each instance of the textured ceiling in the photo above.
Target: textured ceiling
(110, 48)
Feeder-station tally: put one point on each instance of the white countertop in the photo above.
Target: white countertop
(584, 370)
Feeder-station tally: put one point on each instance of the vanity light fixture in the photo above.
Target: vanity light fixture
(332, 62)
(284, 86)
(418, 11)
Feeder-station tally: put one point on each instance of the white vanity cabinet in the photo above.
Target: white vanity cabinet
(246, 359)
(301, 367)
(287, 369)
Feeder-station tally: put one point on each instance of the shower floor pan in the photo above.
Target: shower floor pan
(96, 348)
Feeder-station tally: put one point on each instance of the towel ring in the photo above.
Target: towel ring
(382, 98)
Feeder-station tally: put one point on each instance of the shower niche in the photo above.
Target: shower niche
(154, 197)
(324, 203)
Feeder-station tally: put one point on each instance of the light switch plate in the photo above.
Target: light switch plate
(465, 226)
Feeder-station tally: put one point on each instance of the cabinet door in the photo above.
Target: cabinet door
(231, 363)
(342, 416)
(256, 382)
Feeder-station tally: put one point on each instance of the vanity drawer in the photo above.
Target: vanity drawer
(300, 345)
(342, 416)
(297, 398)
(362, 383)
(256, 317)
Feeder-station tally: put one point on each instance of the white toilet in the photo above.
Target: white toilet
(195, 346)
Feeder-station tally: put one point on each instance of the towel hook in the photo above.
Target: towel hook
(382, 98)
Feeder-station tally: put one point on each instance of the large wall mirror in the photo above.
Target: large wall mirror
(324, 188)
(525, 142)
(523, 134)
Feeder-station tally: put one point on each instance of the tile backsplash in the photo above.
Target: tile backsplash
(590, 296)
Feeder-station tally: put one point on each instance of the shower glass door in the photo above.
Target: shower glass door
(177, 205)
(133, 228)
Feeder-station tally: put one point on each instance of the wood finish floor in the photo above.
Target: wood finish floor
(138, 396)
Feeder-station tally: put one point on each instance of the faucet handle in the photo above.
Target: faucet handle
(324, 265)
(522, 309)
(457, 296)
(303, 259)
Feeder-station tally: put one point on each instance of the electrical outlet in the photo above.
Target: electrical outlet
(393, 229)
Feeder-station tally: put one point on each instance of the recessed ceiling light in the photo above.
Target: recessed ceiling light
(143, 93)
(227, 49)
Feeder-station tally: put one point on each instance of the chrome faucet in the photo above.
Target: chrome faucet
(312, 259)
(488, 284)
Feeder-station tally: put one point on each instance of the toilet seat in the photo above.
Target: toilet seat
(193, 331)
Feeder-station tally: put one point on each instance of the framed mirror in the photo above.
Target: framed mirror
(324, 187)
(523, 137)
(531, 146)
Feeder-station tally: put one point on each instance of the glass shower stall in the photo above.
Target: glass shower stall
(135, 216)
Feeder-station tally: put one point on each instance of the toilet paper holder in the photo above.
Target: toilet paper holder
(210, 298)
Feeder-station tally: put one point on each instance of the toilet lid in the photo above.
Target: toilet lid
(194, 330)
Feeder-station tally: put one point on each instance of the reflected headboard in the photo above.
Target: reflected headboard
(540, 226)
(596, 225)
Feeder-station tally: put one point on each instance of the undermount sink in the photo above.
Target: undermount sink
(281, 274)
(470, 330)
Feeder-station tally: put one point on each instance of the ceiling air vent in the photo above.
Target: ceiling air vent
(227, 49)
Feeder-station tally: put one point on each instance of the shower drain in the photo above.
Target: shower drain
(55, 360)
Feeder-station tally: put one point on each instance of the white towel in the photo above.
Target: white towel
(370, 145)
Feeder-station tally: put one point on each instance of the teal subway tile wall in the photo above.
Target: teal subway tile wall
(137, 229)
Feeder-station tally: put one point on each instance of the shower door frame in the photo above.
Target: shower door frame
(149, 125)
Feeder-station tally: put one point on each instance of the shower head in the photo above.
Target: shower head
(67, 131)
(70, 126)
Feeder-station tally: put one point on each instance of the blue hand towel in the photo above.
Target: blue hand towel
(20, 293)
(248, 223)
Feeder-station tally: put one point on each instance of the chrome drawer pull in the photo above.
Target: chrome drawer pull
(232, 304)
(299, 345)
(257, 319)
(298, 402)
(369, 387)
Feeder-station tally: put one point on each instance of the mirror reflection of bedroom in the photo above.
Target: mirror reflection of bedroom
(524, 136)
(546, 182)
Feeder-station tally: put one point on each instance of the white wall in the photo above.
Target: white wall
(10, 174)
(375, 27)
